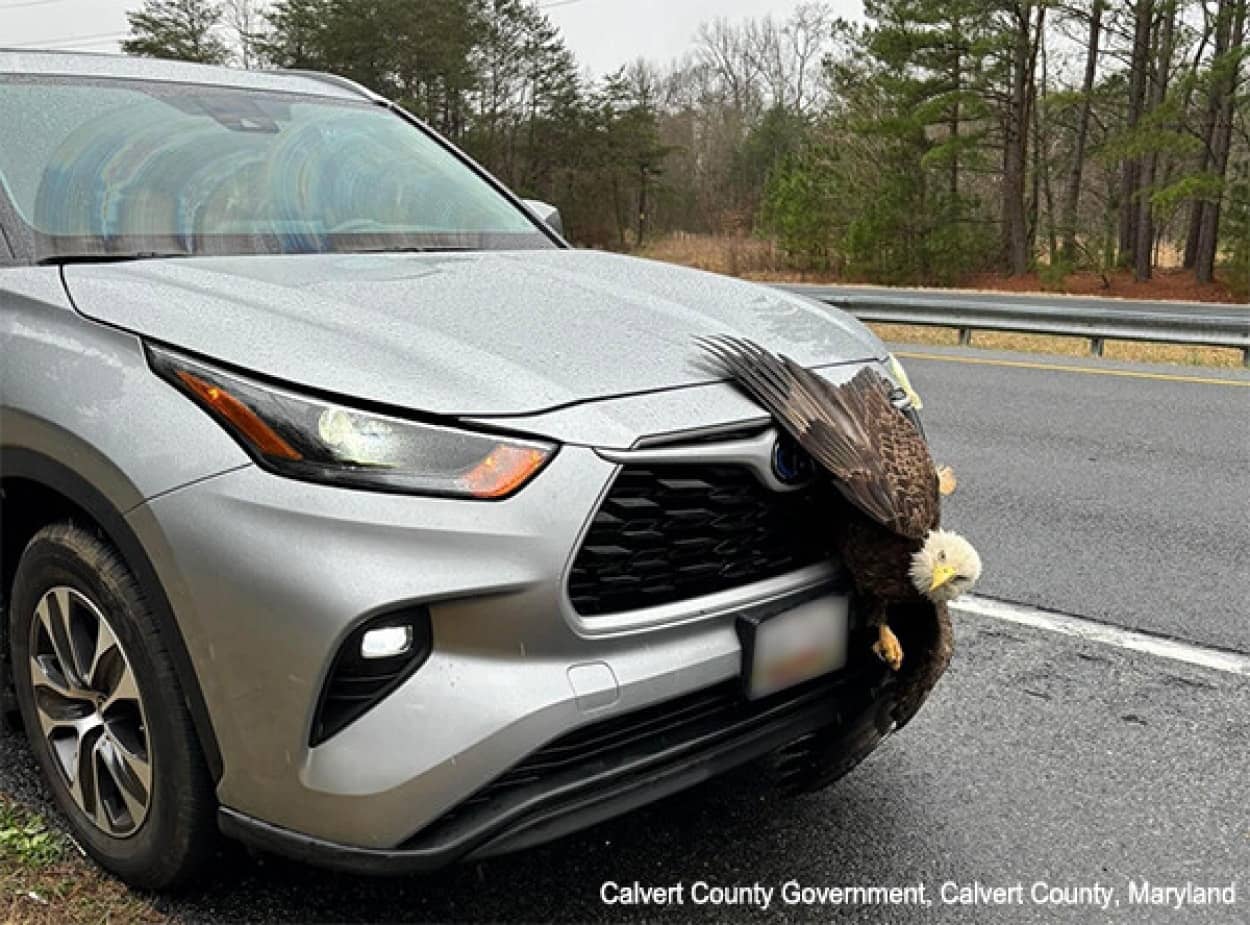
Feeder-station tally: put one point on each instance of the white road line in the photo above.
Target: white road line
(1091, 631)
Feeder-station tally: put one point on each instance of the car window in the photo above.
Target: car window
(130, 167)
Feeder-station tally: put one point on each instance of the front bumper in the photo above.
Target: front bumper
(818, 732)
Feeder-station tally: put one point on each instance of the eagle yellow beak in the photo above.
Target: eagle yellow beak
(941, 575)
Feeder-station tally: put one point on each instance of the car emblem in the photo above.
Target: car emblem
(791, 463)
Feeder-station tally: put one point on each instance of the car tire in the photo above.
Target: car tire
(98, 693)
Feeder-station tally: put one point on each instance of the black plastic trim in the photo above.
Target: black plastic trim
(851, 708)
(666, 532)
(46, 471)
(390, 673)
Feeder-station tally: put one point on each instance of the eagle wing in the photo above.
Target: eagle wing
(881, 463)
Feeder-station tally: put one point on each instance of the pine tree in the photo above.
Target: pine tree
(1072, 194)
(1236, 227)
(183, 30)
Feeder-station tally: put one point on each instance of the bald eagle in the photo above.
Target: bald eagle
(888, 531)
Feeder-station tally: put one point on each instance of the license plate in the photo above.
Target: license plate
(795, 645)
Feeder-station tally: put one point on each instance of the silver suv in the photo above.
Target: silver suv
(351, 513)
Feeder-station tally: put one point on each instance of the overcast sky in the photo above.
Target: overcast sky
(603, 33)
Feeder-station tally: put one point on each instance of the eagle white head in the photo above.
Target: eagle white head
(945, 567)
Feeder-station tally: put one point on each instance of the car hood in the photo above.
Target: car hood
(460, 333)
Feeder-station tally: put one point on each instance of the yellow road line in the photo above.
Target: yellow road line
(1058, 367)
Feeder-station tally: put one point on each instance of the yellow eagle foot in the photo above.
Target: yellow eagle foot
(888, 649)
(947, 483)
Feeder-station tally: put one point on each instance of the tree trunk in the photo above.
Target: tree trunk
(1035, 182)
(642, 205)
(1016, 140)
(1223, 27)
(1072, 197)
(1221, 142)
(1130, 177)
(1041, 160)
(1043, 169)
(954, 124)
(1143, 250)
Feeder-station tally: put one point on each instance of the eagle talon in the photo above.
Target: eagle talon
(888, 649)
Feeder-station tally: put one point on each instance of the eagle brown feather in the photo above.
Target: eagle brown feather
(929, 639)
(878, 459)
(888, 484)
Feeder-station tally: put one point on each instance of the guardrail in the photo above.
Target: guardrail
(1210, 324)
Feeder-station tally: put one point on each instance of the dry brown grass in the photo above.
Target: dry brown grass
(758, 259)
(1129, 351)
(44, 881)
(733, 256)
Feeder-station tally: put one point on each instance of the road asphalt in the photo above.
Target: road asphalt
(1123, 498)
(1045, 765)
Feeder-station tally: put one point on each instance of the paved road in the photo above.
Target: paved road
(1040, 758)
(1116, 497)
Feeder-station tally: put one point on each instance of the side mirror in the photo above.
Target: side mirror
(546, 213)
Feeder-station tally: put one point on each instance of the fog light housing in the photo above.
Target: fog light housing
(376, 658)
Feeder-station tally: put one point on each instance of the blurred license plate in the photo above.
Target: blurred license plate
(794, 646)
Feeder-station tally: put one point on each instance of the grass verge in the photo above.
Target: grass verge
(1129, 351)
(45, 881)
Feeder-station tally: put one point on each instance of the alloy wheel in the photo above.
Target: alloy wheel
(91, 715)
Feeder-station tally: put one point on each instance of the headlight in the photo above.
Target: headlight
(319, 441)
(900, 376)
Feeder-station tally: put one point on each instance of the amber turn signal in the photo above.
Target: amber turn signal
(240, 416)
(503, 470)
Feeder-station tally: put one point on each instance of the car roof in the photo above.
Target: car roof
(89, 65)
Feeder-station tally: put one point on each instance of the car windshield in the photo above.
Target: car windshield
(130, 169)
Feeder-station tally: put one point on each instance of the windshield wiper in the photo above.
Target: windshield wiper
(64, 259)
(122, 257)
(412, 249)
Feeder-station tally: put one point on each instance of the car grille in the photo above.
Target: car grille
(673, 532)
(645, 729)
(597, 760)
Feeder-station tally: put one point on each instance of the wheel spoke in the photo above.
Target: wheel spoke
(45, 672)
(64, 745)
(105, 646)
(131, 776)
(125, 688)
(85, 772)
(98, 811)
(58, 715)
(53, 614)
(76, 792)
(65, 602)
(136, 764)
